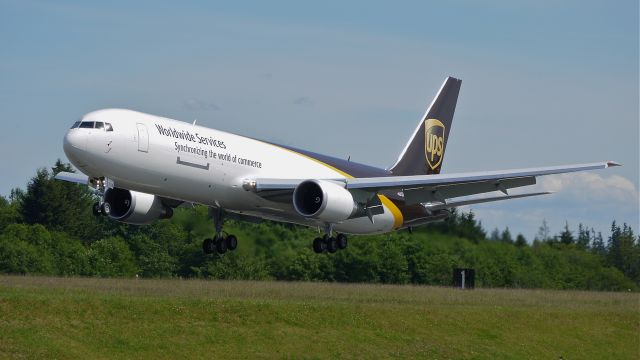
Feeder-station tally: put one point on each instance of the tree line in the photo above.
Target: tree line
(48, 229)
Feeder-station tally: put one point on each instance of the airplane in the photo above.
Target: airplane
(143, 166)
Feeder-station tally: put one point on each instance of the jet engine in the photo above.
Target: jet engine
(323, 200)
(134, 207)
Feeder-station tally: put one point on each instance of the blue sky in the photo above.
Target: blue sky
(544, 83)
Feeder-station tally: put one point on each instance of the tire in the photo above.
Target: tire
(341, 239)
(332, 245)
(106, 208)
(319, 245)
(208, 247)
(232, 242)
(221, 246)
(97, 211)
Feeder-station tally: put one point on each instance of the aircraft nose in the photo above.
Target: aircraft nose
(74, 140)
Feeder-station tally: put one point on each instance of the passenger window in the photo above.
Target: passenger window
(99, 125)
(86, 124)
(75, 125)
(108, 127)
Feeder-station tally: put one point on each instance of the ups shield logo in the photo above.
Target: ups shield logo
(434, 143)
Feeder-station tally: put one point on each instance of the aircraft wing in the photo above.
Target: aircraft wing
(437, 188)
(72, 177)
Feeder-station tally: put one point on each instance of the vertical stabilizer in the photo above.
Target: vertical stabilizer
(424, 152)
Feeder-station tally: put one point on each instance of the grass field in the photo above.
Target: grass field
(165, 319)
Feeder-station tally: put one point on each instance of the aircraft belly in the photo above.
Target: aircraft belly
(381, 224)
(285, 213)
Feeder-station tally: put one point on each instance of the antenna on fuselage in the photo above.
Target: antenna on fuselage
(194, 121)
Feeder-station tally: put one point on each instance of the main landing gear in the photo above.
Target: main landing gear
(328, 243)
(219, 243)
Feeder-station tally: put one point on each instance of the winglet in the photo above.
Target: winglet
(613, 163)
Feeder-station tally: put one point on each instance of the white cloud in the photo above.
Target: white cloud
(588, 198)
(593, 188)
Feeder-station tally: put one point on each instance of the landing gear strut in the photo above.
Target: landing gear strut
(219, 243)
(99, 208)
(328, 243)
(96, 209)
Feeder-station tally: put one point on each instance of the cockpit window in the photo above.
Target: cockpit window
(93, 125)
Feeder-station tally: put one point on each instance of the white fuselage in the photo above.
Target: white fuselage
(191, 163)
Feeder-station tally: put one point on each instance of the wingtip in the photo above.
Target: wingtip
(613, 163)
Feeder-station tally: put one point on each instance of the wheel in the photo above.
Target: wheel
(341, 239)
(232, 242)
(221, 246)
(208, 246)
(96, 209)
(106, 208)
(319, 245)
(332, 245)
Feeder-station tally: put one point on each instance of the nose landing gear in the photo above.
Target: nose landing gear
(96, 209)
(101, 209)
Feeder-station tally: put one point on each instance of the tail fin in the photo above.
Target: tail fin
(424, 153)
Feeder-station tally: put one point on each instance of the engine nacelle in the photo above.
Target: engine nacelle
(323, 200)
(135, 207)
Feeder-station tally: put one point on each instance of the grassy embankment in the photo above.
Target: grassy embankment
(109, 318)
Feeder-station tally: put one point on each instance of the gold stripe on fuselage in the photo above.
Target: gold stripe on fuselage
(398, 218)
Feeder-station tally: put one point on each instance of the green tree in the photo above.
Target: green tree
(598, 246)
(566, 236)
(69, 254)
(153, 257)
(361, 262)
(520, 241)
(393, 268)
(24, 250)
(623, 251)
(459, 224)
(59, 205)
(301, 265)
(584, 237)
(111, 257)
(505, 236)
(9, 213)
